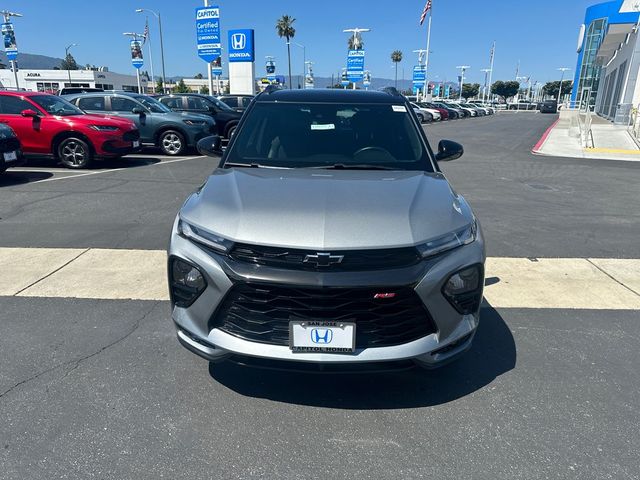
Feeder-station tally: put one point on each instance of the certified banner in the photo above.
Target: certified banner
(136, 54)
(10, 45)
(216, 67)
(355, 65)
(208, 33)
(366, 81)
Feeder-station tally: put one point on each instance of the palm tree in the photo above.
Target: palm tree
(285, 29)
(356, 43)
(396, 58)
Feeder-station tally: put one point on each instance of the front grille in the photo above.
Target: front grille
(131, 136)
(10, 144)
(340, 261)
(261, 313)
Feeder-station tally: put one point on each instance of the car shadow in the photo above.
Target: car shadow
(11, 179)
(493, 353)
(129, 161)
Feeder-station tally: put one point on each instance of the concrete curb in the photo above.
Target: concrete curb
(536, 150)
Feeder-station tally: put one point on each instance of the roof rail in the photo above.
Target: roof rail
(272, 88)
(391, 91)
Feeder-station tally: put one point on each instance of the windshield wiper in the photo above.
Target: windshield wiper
(361, 166)
(253, 165)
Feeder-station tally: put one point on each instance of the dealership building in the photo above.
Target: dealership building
(608, 67)
(54, 80)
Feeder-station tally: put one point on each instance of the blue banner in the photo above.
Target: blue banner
(10, 45)
(436, 90)
(241, 45)
(447, 90)
(208, 33)
(366, 80)
(355, 65)
(216, 67)
(136, 54)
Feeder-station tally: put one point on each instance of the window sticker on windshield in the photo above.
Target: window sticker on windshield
(324, 126)
(399, 108)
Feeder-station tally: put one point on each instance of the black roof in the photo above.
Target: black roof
(330, 95)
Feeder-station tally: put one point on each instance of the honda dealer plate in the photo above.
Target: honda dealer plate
(10, 156)
(322, 336)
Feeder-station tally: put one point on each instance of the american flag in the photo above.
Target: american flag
(145, 35)
(427, 7)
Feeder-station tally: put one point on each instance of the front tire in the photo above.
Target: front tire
(74, 153)
(421, 118)
(172, 143)
(230, 131)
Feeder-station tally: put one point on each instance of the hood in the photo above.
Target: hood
(327, 209)
(90, 119)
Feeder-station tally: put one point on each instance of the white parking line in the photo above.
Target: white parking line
(72, 174)
(110, 274)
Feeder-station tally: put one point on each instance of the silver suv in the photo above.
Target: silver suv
(327, 237)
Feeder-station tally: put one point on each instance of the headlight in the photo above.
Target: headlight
(203, 237)
(104, 128)
(463, 289)
(186, 282)
(195, 122)
(452, 240)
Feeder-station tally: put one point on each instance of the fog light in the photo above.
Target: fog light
(463, 290)
(186, 282)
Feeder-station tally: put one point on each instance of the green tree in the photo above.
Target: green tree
(69, 63)
(551, 89)
(181, 87)
(355, 42)
(159, 86)
(204, 90)
(470, 90)
(396, 58)
(505, 89)
(198, 76)
(284, 28)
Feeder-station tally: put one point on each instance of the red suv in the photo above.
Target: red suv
(49, 125)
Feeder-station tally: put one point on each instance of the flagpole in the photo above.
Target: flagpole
(426, 64)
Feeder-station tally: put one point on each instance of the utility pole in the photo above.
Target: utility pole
(462, 68)
(493, 54)
(7, 19)
(356, 39)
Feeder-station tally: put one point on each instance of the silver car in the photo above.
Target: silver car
(327, 237)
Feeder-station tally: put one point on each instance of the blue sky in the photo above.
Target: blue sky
(541, 34)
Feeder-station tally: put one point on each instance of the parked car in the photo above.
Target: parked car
(50, 125)
(459, 113)
(226, 118)
(424, 116)
(237, 102)
(172, 132)
(74, 90)
(549, 106)
(10, 149)
(471, 112)
(522, 105)
(484, 108)
(435, 114)
(444, 113)
(404, 283)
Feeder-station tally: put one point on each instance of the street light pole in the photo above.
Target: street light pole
(561, 69)
(7, 19)
(304, 58)
(157, 15)
(462, 68)
(356, 31)
(66, 59)
(484, 89)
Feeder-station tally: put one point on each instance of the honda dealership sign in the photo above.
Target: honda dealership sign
(241, 53)
(136, 54)
(241, 46)
(208, 34)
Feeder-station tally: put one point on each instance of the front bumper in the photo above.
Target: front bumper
(454, 331)
(118, 144)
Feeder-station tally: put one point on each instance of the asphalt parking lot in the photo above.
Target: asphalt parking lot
(94, 384)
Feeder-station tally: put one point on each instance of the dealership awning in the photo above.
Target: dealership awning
(616, 34)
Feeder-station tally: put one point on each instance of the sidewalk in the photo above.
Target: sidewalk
(611, 142)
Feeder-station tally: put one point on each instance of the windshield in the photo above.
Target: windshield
(328, 135)
(152, 104)
(56, 105)
(220, 105)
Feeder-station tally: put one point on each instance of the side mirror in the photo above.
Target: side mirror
(448, 150)
(210, 146)
(29, 113)
(138, 111)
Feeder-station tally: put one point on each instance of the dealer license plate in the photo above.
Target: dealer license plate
(10, 156)
(322, 336)
(136, 144)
